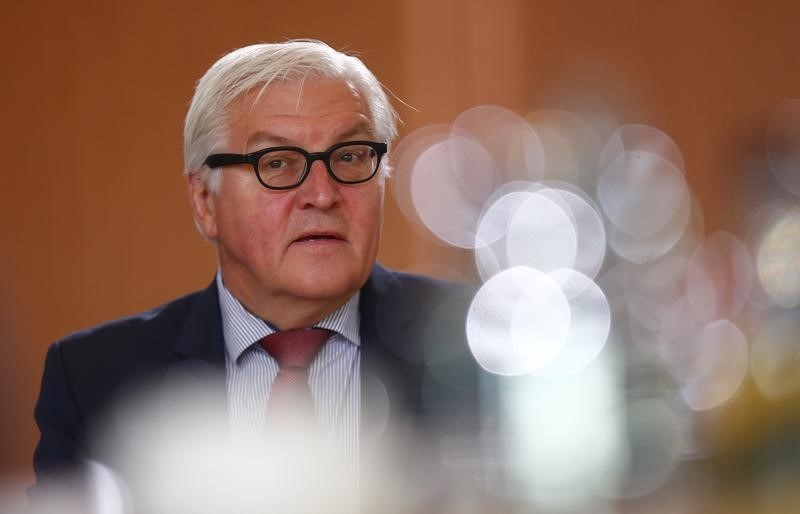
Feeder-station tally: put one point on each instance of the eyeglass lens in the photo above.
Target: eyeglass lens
(352, 163)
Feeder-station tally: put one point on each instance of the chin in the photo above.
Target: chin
(327, 284)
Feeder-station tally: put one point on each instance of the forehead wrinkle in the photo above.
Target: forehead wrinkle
(273, 138)
(361, 128)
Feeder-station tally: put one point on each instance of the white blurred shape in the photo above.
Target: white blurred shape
(590, 322)
(108, 493)
(525, 228)
(496, 219)
(518, 321)
(645, 250)
(451, 181)
(775, 357)
(637, 137)
(719, 277)
(541, 235)
(511, 141)
(783, 144)
(490, 248)
(404, 157)
(758, 220)
(640, 192)
(778, 261)
(715, 367)
(175, 447)
(590, 234)
(490, 241)
(564, 437)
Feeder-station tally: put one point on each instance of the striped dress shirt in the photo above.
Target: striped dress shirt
(334, 375)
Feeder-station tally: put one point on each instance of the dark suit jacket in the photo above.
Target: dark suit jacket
(412, 331)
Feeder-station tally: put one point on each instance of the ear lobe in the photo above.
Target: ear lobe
(203, 205)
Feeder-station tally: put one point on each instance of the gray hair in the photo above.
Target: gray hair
(236, 73)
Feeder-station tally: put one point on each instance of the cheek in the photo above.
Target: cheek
(369, 214)
(250, 224)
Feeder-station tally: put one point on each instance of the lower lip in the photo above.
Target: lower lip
(318, 242)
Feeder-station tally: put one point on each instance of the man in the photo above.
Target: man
(285, 157)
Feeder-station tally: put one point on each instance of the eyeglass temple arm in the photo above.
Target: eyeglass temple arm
(224, 159)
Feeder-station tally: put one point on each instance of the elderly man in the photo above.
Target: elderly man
(286, 162)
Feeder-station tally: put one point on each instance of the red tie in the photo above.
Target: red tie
(290, 395)
(292, 436)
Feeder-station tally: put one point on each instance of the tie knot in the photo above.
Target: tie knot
(295, 348)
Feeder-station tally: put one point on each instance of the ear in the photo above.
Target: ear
(203, 205)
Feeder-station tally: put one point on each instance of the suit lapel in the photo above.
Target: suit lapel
(201, 338)
(390, 355)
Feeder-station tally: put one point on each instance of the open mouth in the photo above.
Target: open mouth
(317, 237)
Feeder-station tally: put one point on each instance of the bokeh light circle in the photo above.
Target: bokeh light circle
(590, 322)
(641, 192)
(451, 181)
(518, 321)
(719, 277)
(715, 365)
(511, 141)
(541, 235)
(639, 137)
(490, 249)
(590, 234)
(403, 158)
(525, 228)
(648, 249)
(778, 260)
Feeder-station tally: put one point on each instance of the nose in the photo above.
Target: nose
(319, 189)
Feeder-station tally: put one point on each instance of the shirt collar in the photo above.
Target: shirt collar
(241, 328)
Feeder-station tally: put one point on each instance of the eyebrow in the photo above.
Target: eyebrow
(269, 138)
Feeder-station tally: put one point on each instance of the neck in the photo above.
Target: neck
(284, 312)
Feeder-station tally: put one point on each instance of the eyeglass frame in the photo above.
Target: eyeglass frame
(218, 160)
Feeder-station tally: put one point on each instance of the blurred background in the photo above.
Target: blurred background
(95, 221)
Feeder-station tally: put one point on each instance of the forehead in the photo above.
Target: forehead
(297, 100)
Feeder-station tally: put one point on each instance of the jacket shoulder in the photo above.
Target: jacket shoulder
(94, 363)
(85, 371)
(403, 287)
(153, 327)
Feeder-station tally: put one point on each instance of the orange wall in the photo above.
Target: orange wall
(94, 219)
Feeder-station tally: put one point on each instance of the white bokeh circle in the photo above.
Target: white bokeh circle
(518, 321)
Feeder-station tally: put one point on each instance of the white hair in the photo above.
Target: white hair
(238, 72)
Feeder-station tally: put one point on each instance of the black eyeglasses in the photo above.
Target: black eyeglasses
(285, 167)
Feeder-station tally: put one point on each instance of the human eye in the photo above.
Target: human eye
(353, 155)
(280, 161)
(275, 164)
(281, 168)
